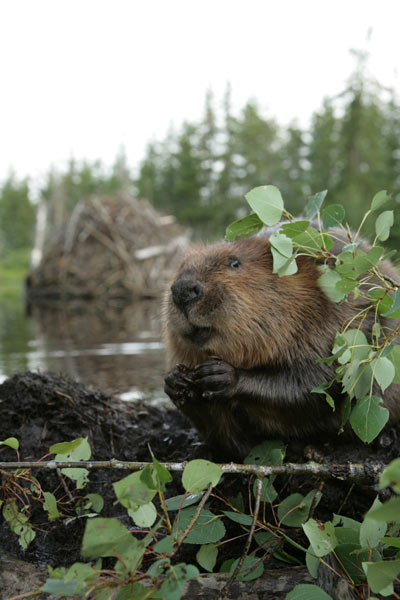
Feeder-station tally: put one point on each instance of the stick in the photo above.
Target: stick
(357, 472)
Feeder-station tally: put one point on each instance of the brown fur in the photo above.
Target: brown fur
(266, 332)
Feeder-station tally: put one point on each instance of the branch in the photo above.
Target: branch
(357, 472)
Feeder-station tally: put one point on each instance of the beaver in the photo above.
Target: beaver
(243, 346)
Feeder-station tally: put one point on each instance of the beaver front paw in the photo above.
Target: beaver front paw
(215, 379)
(178, 385)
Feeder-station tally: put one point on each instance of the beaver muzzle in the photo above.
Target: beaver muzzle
(186, 292)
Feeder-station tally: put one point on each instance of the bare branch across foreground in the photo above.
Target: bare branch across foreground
(358, 472)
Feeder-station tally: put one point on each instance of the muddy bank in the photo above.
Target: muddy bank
(42, 409)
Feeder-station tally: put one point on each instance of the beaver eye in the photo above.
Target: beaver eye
(234, 262)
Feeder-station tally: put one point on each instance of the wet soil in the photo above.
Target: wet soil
(42, 409)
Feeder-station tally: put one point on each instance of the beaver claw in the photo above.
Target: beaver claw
(178, 385)
(215, 379)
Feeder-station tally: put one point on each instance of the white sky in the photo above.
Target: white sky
(83, 77)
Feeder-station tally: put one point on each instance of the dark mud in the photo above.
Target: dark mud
(42, 409)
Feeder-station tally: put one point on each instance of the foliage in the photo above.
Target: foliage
(145, 543)
(200, 172)
(365, 368)
(17, 216)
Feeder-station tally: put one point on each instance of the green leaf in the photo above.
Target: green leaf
(177, 502)
(132, 492)
(372, 531)
(350, 248)
(395, 305)
(379, 200)
(385, 300)
(74, 451)
(208, 529)
(355, 340)
(173, 585)
(345, 411)
(144, 516)
(103, 537)
(311, 241)
(322, 389)
(246, 573)
(246, 226)
(164, 546)
(307, 591)
(368, 418)
(391, 541)
(283, 266)
(65, 448)
(282, 252)
(266, 539)
(346, 535)
(395, 358)
(351, 556)
(94, 502)
(158, 568)
(321, 536)
(80, 572)
(282, 243)
(294, 517)
(346, 285)
(12, 442)
(314, 203)
(50, 505)
(328, 281)
(266, 201)
(161, 475)
(207, 556)
(238, 517)
(374, 256)
(332, 215)
(383, 225)
(237, 501)
(389, 511)
(341, 521)
(59, 587)
(384, 372)
(312, 563)
(391, 476)
(271, 452)
(198, 474)
(18, 522)
(294, 229)
(380, 575)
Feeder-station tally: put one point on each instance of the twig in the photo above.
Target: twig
(229, 583)
(356, 472)
(188, 529)
(62, 480)
(317, 496)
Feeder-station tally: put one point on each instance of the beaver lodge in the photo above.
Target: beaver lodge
(109, 248)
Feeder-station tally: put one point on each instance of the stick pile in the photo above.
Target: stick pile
(110, 248)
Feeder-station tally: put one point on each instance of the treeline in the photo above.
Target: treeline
(352, 148)
(201, 171)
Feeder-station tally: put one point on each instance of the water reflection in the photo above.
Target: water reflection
(117, 349)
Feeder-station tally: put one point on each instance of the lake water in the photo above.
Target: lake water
(117, 349)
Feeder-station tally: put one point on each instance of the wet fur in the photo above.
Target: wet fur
(249, 348)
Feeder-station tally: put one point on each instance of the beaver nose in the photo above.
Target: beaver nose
(186, 291)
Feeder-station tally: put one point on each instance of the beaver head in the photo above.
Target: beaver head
(226, 302)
